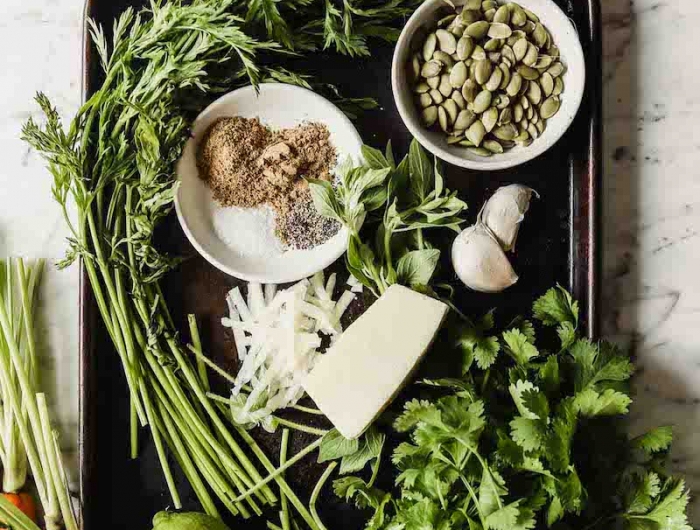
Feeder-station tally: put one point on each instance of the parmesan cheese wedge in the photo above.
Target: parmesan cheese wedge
(367, 366)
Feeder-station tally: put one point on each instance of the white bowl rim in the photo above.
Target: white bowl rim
(341, 238)
(534, 150)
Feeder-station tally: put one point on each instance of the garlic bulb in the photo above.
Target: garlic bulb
(504, 212)
(480, 262)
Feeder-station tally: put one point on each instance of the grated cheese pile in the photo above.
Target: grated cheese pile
(278, 338)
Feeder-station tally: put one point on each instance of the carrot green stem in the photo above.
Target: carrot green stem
(317, 491)
(197, 341)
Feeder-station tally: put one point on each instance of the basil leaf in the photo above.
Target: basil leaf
(421, 171)
(418, 266)
(374, 158)
(324, 199)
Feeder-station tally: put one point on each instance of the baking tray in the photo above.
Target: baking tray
(559, 243)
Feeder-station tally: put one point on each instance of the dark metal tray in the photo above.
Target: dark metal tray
(560, 244)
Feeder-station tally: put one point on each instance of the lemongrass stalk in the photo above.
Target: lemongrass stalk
(317, 491)
(197, 341)
(284, 514)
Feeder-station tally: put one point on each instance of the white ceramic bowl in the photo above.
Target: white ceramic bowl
(565, 37)
(214, 231)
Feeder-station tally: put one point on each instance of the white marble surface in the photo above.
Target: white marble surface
(652, 196)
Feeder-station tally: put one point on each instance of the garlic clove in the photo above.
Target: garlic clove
(480, 262)
(504, 212)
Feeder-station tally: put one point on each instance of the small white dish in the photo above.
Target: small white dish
(565, 37)
(215, 231)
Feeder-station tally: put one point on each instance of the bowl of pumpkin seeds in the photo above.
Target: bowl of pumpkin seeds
(488, 84)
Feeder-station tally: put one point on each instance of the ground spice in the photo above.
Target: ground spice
(247, 165)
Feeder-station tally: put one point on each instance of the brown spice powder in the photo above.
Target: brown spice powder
(247, 164)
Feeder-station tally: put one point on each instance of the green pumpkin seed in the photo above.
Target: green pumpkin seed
(493, 45)
(482, 101)
(451, 108)
(483, 70)
(502, 101)
(550, 107)
(534, 93)
(444, 58)
(507, 145)
(518, 17)
(469, 16)
(493, 146)
(543, 62)
(479, 54)
(505, 117)
(477, 30)
(429, 47)
(444, 21)
(470, 90)
(458, 75)
(518, 113)
(480, 151)
(489, 119)
(508, 53)
(489, 4)
(531, 55)
(539, 35)
(466, 143)
(476, 132)
(541, 126)
(520, 49)
(498, 30)
(442, 119)
(495, 80)
(457, 30)
(525, 103)
(530, 113)
(445, 87)
(502, 15)
(506, 62)
(451, 140)
(505, 132)
(415, 68)
(437, 96)
(446, 41)
(430, 115)
(465, 47)
(530, 15)
(473, 4)
(529, 27)
(431, 69)
(506, 76)
(494, 57)
(425, 100)
(459, 99)
(421, 88)
(535, 117)
(547, 84)
(556, 70)
(523, 125)
(558, 86)
(532, 131)
(433, 82)
(518, 34)
(528, 73)
(489, 15)
(522, 136)
(525, 143)
(516, 83)
(553, 51)
(464, 119)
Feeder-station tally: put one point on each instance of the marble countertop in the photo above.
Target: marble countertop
(651, 199)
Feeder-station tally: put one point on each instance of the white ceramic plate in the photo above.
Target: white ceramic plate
(236, 241)
(565, 37)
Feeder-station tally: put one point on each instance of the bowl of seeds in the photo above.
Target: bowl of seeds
(486, 84)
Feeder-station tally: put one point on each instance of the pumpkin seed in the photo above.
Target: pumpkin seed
(507, 144)
(505, 117)
(482, 101)
(489, 4)
(457, 98)
(534, 93)
(525, 143)
(454, 139)
(445, 87)
(499, 30)
(518, 34)
(556, 70)
(470, 90)
(478, 54)
(535, 117)
(558, 86)
(437, 96)
(464, 119)
(523, 125)
(494, 57)
(429, 47)
(553, 51)
(525, 102)
(506, 62)
(550, 107)
(415, 68)
(465, 47)
(425, 100)
(421, 88)
(505, 132)
(541, 126)
(430, 115)
(540, 35)
(482, 72)
(516, 83)
(518, 113)
(431, 69)
(530, 113)
(529, 27)
(502, 101)
(489, 15)
(446, 41)
(477, 30)
(528, 73)
(518, 17)
(508, 53)
(520, 49)
(495, 80)
(547, 84)
(530, 15)
(531, 55)
(493, 45)
(469, 16)
(522, 136)
(473, 4)
(476, 132)
(458, 75)
(444, 58)
(444, 21)
(451, 108)
(506, 76)
(489, 119)
(466, 143)
(442, 119)
(532, 131)
(457, 30)
(480, 151)
(502, 15)
(433, 82)
(543, 62)
(493, 146)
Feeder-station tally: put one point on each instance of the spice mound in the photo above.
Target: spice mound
(248, 165)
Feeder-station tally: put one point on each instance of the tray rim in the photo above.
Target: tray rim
(585, 239)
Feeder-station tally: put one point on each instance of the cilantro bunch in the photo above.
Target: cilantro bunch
(527, 438)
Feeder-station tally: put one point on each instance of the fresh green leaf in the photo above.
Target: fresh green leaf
(416, 412)
(417, 267)
(556, 307)
(421, 171)
(589, 403)
(374, 158)
(335, 446)
(324, 199)
(491, 491)
(370, 448)
(519, 347)
(654, 441)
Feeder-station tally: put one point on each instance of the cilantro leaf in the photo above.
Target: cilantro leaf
(668, 511)
(527, 433)
(370, 448)
(560, 438)
(567, 334)
(334, 446)
(511, 517)
(519, 391)
(640, 497)
(654, 441)
(477, 345)
(519, 347)
(491, 490)
(556, 307)
(590, 403)
(416, 412)
(550, 378)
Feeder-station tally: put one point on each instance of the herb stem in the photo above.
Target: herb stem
(284, 514)
(300, 427)
(317, 491)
